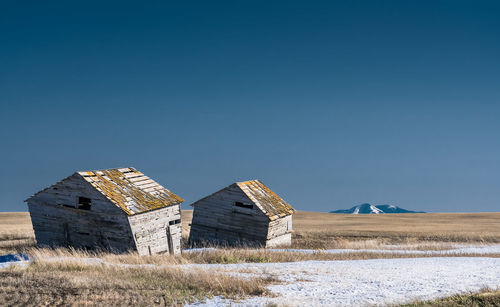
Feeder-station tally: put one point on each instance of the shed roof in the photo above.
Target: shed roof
(268, 202)
(264, 198)
(130, 190)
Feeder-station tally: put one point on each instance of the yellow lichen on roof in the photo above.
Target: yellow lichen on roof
(131, 190)
(269, 202)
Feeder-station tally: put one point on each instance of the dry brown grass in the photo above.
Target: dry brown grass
(216, 256)
(429, 231)
(60, 276)
(314, 230)
(16, 232)
(78, 283)
(15, 222)
(225, 256)
(326, 230)
(483, 298)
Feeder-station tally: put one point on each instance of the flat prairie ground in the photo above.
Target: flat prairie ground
(466, 226)
(12, 223)
(326, 230)
(394, 246)
(316, 230)
(422, 225)
(16, 232)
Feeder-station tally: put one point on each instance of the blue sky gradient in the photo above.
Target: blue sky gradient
(331, 104)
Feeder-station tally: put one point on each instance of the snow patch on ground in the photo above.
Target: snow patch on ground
(459, 249)
(364, 282)
(350, 282)
(482, 249)
(7, 260)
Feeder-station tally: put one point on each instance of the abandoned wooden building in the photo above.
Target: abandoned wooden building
(244, 213)
(115, 209)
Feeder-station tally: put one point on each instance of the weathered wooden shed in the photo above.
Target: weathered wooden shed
(244, 213)
(114, 209)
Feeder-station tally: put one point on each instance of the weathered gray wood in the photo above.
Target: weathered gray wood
(67, 191)
(56, 225)
(216, 220)
(282, 240)
(280, 228)
(153, 232)
(58, 222)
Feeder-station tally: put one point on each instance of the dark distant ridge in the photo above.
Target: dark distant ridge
(374, 209)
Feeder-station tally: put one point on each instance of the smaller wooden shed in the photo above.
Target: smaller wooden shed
(245, 213)
(115, 209)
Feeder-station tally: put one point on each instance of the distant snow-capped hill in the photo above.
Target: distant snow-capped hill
(374, 209)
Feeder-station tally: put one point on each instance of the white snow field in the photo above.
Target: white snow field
(364, 282)
(350, 282)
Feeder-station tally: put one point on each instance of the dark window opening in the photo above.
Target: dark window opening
(174, 222)
(242, 205)
(84, 203)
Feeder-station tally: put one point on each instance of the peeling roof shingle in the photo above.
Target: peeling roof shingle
(268, 202)
(130, 190)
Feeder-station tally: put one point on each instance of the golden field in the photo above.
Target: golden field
(70, 280)
(422, 230)
(317, 230)
(321, 230)
(74, 282)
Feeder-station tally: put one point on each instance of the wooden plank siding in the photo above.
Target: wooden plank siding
(57, 221)
(55, 225)
(216, 220)
(279, 232)
(151, 231)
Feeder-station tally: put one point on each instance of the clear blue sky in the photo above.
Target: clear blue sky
(331, 104)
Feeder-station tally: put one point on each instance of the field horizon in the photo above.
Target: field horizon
(430, 239)
(463, 227)
(428, 212)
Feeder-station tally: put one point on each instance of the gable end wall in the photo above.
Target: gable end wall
(57, 222)
(150, 231)
(217, 220)
(280, 232)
